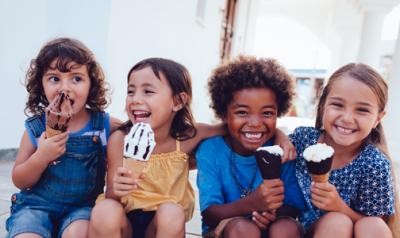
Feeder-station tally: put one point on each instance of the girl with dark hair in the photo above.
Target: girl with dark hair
(162, 200)
(61, 176)
(359, 200)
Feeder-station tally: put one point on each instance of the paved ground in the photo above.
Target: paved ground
(193, 228)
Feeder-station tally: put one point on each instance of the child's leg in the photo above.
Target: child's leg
(327, 226)
(241, 227)
(75, 223)
(285, 227)
(169, 221)
(78, 229)
(371, 227)
(109, 220)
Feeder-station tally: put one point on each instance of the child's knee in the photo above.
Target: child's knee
(285, 227)
(331, 221)
(371, 225)
(241, 228)
(337, 219)
(107, 213)
(170, 215)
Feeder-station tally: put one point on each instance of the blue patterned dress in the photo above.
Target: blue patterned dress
(365, 184)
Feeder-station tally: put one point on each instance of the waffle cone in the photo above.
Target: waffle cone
(50, 132)
(320, 178)
(136, 166)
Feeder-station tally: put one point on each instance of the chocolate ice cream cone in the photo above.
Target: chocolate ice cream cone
(58, 115)
(269, 161)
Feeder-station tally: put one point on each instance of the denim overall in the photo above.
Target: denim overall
(70, 183)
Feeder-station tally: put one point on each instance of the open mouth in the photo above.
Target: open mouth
(344, 131)
(140, 115)
(253, 135)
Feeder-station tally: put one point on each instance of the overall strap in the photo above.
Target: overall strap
(97, 120)
(35, 125)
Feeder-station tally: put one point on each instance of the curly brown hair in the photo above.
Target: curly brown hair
(65, 51)
(249, 72)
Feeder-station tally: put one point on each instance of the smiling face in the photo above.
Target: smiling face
(75, 82)
(349, 115)
(251, 119)
(150, 99)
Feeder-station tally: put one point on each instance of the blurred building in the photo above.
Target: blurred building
(310, 37)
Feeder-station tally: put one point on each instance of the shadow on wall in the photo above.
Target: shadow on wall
(8, 154)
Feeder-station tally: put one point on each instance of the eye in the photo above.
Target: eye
(131, 92)
(54, 79)
(241, 113)
(76, 79)
(148, 91)
(336, 104)
(269, 113)
(363, 110)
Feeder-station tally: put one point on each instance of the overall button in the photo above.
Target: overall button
(95, 139)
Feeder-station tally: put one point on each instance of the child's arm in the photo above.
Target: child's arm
(31, 162)
(289, 151)
(114, 124)
(119, 182)
(206, 130)
(268, 196)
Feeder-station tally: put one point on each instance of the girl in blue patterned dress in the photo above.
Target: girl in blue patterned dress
(358, 200)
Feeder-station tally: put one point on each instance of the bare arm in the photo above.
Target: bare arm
(115, 148)
(268, 196)
(114, 124)
(31, 162)
(289, 151)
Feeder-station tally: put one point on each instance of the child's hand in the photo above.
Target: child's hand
(325, 197)
(264, 219)
(289, 151)
(269, 195)
(124, 183)
(52, 148)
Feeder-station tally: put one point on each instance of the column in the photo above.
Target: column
(370, 41)
(392, 121)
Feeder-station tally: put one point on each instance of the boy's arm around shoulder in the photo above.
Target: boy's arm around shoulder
(289, 151)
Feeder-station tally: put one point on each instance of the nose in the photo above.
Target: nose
(348, 116)
(135, 99)
(254, 121)
(64, 86)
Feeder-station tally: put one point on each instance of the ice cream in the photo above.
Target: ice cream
(319, 161)
(138, 145)
(269, 161)
(58, 114)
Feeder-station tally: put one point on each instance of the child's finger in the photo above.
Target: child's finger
(122, 171)
(259, 224)
(124, 187)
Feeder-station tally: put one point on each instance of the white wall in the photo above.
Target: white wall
(120, 33)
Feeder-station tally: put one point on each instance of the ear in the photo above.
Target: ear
(379, 118)
(180, 101)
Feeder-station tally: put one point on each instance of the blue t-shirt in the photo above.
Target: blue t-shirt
(365, 184)
(217, 185)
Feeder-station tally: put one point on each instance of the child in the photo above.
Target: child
(359, 196)
(248, 94)
(61, 176)
(159, 93)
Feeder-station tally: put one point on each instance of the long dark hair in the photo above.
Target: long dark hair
(179, 80)
(65, 51)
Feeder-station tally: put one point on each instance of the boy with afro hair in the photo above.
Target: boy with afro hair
(248, 95)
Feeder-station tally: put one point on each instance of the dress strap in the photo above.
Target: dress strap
(97, 120)
(35, 125)
(178, 145)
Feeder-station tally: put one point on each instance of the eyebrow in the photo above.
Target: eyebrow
(246, 106)
(143, 85)
(358, 103)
